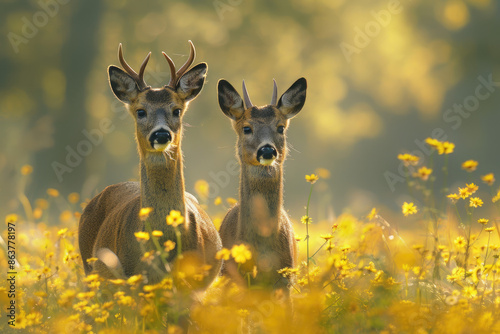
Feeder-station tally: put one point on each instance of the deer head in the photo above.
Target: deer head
(157, 112)
(261, 130)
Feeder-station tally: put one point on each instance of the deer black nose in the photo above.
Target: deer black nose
(267, 153)
(160, 137)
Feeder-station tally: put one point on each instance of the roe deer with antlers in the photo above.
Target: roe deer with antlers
(109, 221)
(259, 219)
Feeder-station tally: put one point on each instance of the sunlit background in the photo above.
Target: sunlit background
(382, 76)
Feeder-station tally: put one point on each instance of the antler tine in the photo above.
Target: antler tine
(138, 78)
(274, 99)
(192, 54)
(173, 75)
(246, 98)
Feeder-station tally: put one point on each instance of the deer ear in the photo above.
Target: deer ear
(292, 101)
(191, 83)
(230, 101)
(123, 85)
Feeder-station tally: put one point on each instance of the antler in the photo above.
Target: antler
(175, 76)
(138, 78)
(274, 99)
(246, 98)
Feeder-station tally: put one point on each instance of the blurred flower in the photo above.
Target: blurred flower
(470, 165)
(169, 245)
(218, 200)
(241, 253)
(489, 229)
(62, 232)
(409, 209)
(464, 192)
(175, 218)
(144, 213)
(423, 173)
(408, 159)
(434, 143)
(132, 280)
(223, 254)
(142, 236)
(52, 192)
(306, 220)
(156, 233)
(326, 236)
(231, 201)
(11, 218)
(445, 148)
(323, 173)
(202, 188)
(472, 188)
(483, 221)
(73, 198)
(460, 242)
(453, 197)
(26, 170)
(475, 202)
(312, 178)
(489, 179)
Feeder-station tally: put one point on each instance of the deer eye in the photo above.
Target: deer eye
(281, 129)
(141, 113)
(177, 112)
(247, 130)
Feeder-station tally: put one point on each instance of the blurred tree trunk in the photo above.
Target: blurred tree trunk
(76, 64)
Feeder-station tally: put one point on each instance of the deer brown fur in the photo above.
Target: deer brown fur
(259, 219)
(109, 221)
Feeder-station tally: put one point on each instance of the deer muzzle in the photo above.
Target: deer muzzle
(266, 155)
(160, 139)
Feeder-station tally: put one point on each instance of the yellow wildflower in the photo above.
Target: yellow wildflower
(453, 197)
(223, 254)
(241, 253)
(409, 209)
(218, 200)
(156, 233)
(460, 242)
(144, 213)
(469, 291)
(472, 188)
(483, 221)
(489, 229)
(408, 159)
(470, 165)
(423, 173)
(132, 280)
(169, 245)
(142, 236)
(26, 170)
(92, 260)
(496, 198)
(475, 202)
(306, 220)
(434, 143)
(312, 178)
(175, 218)
(445, 148)
(464, 192)
(489, 179)
(326, 236)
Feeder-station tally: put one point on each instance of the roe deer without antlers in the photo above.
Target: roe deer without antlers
(259, 219)
(110, 220)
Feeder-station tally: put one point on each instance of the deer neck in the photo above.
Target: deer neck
(162, 185)
(261, 197)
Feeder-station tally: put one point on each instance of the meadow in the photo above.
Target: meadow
(356, 274)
